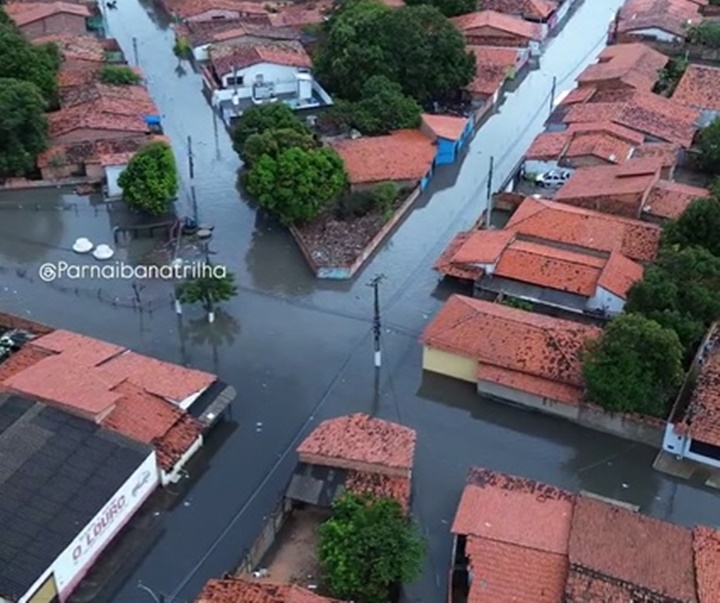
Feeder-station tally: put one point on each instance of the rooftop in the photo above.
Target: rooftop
(495, 20)
(111, 99)
(399, 156)
(533, 351)
(445, 126)
(667, 200)
(204, 32)
(103, 152)
(98, 115)
(699, 88)
(186, 9)
(73, 46)
(237, 590)
(492, 66)
(529, 9)
(627, 550)
(56, 473)
(702, 417)
(363, 439)
(706, 546)
(667, 15)
(226, 58)
(24, 13)
(666, 152)
(633, 65)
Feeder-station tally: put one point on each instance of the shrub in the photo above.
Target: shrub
(119, 75)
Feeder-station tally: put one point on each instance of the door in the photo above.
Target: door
(47, 593)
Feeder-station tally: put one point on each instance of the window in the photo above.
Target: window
(235, 81)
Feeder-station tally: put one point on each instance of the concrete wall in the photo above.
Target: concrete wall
(283, 77)
(446, 151)
(323, 461)
(561, 409)
(54, 24)
(450, 365)
(540, 166)
(654, 33)
(112, 173)
(607, 301)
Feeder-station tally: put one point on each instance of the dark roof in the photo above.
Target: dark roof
(316, 485)
(56, 472)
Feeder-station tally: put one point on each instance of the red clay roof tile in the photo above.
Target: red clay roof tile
(494, 20)
(448, 266)
(702, 417)
(445, 126)
(528, 9)
(634, 65)
(399, 156)
(111, 99)
(24, 358)
(82, 350)
(24, 13)
(76, 46)
(619, 274)
(175, 442)
(667, 15)
(483, 247)
(236, 590)
(226, 58)
(668, 199)
(706, 546)
(380, 486)
(363, 439)
(699, 88)
(621, 545)
(548, 145)
(121, 116)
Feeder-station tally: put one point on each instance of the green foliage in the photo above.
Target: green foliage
(670, 75)
(636, 366)
(519, 304)
(21, 60)
(681, 291)
(414, 46)
(150, 180)
(259, 119)
(23, 127)
(383, 108)
(299, 184)
(450, 8)
(360, 203)
(210, 289)
(274, 142)
(709, 146)
(698, 226)
(705, 33)
(367, 547)
(182, 47)
(119, 75)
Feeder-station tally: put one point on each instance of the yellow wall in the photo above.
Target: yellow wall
(46, 593)
(450, 365)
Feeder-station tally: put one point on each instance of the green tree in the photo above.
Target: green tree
(670, 75)
(384, 108)
(636, 366)
(697, 226)
(414, 46)
(23, 127)
(274, 142)
(299, 184)
(681, 292)
(213, 287)
(450, 8)
(23, 61)
(119, 75)
(367, 547)
(259, 119)
(150, 181)
(709, 147)
(706, 33)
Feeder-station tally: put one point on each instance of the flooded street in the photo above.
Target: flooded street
(299, 350)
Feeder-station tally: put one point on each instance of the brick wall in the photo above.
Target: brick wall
(316, 459)
(10, 321)
(55, 24)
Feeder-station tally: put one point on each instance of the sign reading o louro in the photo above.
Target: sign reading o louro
(99, 526)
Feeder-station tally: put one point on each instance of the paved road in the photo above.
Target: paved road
(298, 351)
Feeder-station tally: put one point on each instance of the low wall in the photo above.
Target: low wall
(14, 184)
(10, 321)
(348, 271)
(271, 528)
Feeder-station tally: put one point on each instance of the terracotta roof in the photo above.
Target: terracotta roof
(667, 152)
(702, 417)
(668, 199)
(528, 9)
(699, 87)
(225, 58)
(585, 228)
(363, 439)
(204, 32)
(619, 274)
(605, 140)
(578, 95)
(603, 146)
(668, 15)
(445, 126)
(380, 486)
(634, 65)
(294, 17)
(618, 545)
(24, 358)
(620, 132)
(401, 155)
(483, 247)
(187, 9)
(111, 99)
(76, 46)
(81, 350)
(495, 20)
(68, 154)
(236, 590)
(172, 445)
(26, 13)
(706, 546)
(531, 345)
(98, 115)
(548, 145)
(447, 265)
(488, 56)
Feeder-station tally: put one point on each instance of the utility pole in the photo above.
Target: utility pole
(488, 211)
(191, 164)
(377, 325)
(156, 598)
(552, 94)
(135, 51)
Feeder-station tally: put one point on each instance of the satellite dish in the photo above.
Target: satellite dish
(82, 245)
(103, 252)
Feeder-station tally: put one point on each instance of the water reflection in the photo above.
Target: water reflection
(199, 332)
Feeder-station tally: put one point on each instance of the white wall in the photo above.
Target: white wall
(656, 34)
(707, 116)
(189, 401)
(176, 473)
(77, 559)
(112, 173)
(201, 52)
(604, 300)
(538, 166)
(535, 49)
(281, 75)
(673, 442)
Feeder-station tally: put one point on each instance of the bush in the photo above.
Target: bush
(257, 120)
(709, 147)
(360, 203)
(697, 226)
(274, 142)
(119, 75)
(706, 33)
(150, 181)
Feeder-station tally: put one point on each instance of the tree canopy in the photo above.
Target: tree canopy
(274, 142)
(698, 225)
(209, 289)
(367, 547)
(150, 181)
(119, 75)
(635, 366)
(450, 8)
(414, 46)
(261, 118)
(709, 147)
(297, 185)
(23, 127)
(681, 291)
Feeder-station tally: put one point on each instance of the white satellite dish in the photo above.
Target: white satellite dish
(103, 252)
(82, 245)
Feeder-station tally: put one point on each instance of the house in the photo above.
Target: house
(142, 398)
(238, 590)
(619, 555)
(245, 75)
(693, 428)
(538, 11)
(491, 28)
(659, 119)
(450, 134)
(632, 190)
(202, 34)
(581, 145)
(41, 19)
(635, 66)
(666, 153)
(493, 67)
(217, 10)
(510, 540)
(405, 157)
(656, 20)
(699, 88)
(512, 355)
(78, 50)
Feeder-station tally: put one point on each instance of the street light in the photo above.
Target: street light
(156, 598)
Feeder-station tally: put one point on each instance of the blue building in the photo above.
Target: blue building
(450, 134)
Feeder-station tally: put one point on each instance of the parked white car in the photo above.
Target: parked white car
(553, 178)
